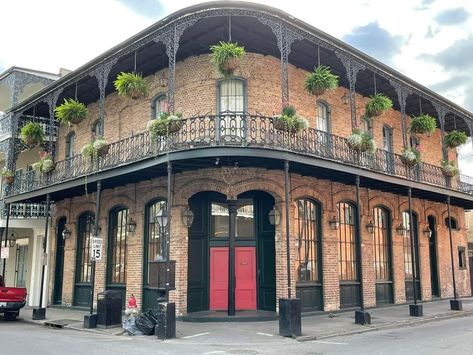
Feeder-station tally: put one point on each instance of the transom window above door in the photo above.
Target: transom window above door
(245, 219)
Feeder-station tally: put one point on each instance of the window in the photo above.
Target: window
(366, 125)
(387, 139)
(323, 117)
(347, 243)
(461, 258)
(117, 247)
(454, 223)
(414, 142)
(85, 231)
(70, 145)
(96, 128)
(381, 244)
(155, 236)
(159, 105)
(308, 228)
(231, 94)
(245, 219)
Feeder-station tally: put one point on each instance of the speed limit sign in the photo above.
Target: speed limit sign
(96, 246)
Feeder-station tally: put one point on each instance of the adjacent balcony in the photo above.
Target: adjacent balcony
(243, 131)
(24, 210)
(6, 126)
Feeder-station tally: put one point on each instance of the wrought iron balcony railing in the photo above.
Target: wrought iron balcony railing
(24, 210)
(243, 131)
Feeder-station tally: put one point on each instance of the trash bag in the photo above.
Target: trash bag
(147, 321)
(129, 325)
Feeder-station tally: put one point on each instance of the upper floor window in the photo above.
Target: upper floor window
(96, 128)
(231, 96)
(323, 117)
(159, 105)
(366, 125)
(453, 221)
(70, 143)
(387, 138)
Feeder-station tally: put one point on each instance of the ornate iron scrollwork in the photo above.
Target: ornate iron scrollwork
(402, 92)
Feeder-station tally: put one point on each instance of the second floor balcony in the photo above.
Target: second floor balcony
(251, 134)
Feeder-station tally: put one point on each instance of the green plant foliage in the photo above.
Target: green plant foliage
(423, 124)
(165, 124)
(71, 111)
(289, 121)
(7, 172)
(45, 164)
(226, 57)
(361, 141)
(455, 139)
(410, 156)
(131, 85)
(320, 80)
(377, 104)
(32, 133)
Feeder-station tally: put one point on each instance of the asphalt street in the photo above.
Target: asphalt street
(452, 336)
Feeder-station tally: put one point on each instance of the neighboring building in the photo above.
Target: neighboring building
(26, 223)
(228, 164)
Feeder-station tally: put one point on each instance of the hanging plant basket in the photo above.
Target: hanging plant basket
(71, 112)
(9, 180)
(448, 168)
(226, 57)
(320, 80)
(423, 124)
(455, 139)
(165, 125)
(131, 85)
(45, 165)
(288, 121)
(32, 134)
(377, 105)
(101, 147)
(410, 157)
(361, 141)
(8, 176)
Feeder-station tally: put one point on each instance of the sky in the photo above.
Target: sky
(430, 41)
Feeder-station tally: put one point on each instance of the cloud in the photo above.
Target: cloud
(424, 5)
(455, 57)
(452, 16)
(432, 32)
(375, 41)
(451, 83)
(468, 101)
(148, 8)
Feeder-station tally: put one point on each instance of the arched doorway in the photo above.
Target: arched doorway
(82, 285)
(408, 271)
(434, 274)
(59, 264)
(208, 252)
(382, 255)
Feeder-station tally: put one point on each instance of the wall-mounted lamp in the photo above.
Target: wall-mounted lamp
(333, 223)
(131, 225)
(400, 230)
(163, 81)
(12, 239)
(370, 227)
(274, 217)
(161, 217)
(427, 232)
(187, 217)
(345, 98)
(66, 233)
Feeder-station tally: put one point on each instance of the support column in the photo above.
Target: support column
(90, 320)
(455, 304)
(5, 244)
(402, 93)
(361, 317)
(232, 214)
(40, 312)
(415, 310)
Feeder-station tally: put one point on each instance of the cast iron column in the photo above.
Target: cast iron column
(288, 251)
(167, 235)
(96, 232)
(7, 207)
(232, 212)
(455, 304)
(415, 309)
(40, 312)
(361, 317)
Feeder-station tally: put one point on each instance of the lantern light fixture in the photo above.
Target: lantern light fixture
(66, 233)
(400, 230)
(162, 216)
(131, 225)
(333, 223)
(187, 217)
(427, 232)
(274, 217)
(370, 227)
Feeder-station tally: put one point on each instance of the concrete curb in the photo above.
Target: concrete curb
(394, 325)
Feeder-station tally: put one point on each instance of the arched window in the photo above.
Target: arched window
(159, 105)
(381, 244)
(308, 232)
(348, 263)
(453, 222)
(323, 117)
(231, 96)
(388, 139)
(70, 145)
(85, 231)
(154, 232)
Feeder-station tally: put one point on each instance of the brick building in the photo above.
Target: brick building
(344, 215)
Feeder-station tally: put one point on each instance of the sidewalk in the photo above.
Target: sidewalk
(313, 327)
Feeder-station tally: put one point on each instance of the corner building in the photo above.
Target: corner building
(231, 168)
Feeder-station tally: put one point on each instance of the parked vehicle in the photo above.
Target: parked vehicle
(12, 299)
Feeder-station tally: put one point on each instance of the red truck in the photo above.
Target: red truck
(12, 299)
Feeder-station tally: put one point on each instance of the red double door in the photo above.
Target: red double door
(245, 274)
